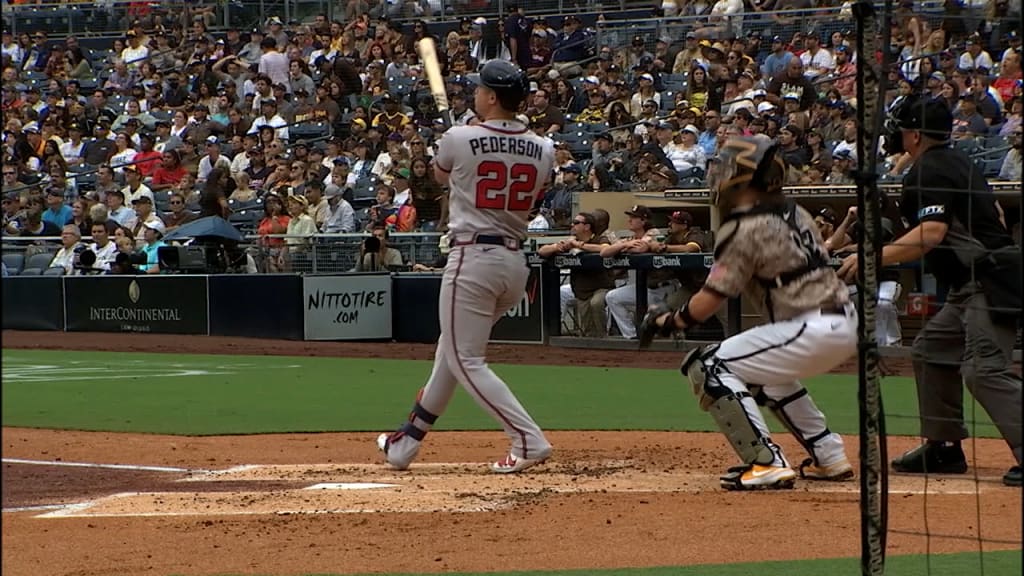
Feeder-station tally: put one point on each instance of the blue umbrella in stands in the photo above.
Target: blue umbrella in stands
(208, 227)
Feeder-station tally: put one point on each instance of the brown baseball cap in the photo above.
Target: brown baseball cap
(640, 211)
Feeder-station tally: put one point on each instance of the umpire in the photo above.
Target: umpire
(954, 224)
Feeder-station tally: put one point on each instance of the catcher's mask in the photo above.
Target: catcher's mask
(744, 163)
(930, 117)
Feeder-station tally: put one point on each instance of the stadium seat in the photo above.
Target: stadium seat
(14, 261)
(54, 271)
(31, 272)
(41, 260)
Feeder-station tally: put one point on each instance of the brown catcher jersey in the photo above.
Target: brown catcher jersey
(759, 248)
(498, 171)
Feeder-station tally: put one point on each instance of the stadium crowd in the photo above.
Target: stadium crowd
(326, 126)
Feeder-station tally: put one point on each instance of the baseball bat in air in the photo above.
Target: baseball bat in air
(428, 55)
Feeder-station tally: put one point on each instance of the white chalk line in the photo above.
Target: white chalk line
(135, 467)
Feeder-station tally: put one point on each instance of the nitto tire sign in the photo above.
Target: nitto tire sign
(524, 322)
(157, 304)
(346, 307)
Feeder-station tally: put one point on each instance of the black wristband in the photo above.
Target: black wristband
(687, 318)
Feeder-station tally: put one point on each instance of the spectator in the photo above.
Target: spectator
(974, 57)
(543, 112)
(594, 113)
(385, 211)
(817, 61)
(428, 197)
(270, 117)
(819, 153)
(80, 217)
(967, 122)
(1009, 78)
(341, 219)
(1011, 168)
(383, 258)
(153, 233)
(791, 146)
(102, 148)
(134, 188)
(145, 216)
(170, 171)
(71, 241)
(1013, 117)
(243, 192)
(102, 247)
(57, 212)
(842, 163)
(986, 99)
(318, 206)
(124, 152)
(273, 63)
(517, 35)
(793, 81)
(688, 159)
(690, 53)
(118, 212)
(211, 160)
(74, 149)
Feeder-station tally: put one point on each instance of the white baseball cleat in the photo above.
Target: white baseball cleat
(383, 443)
(835, 472)
(510, 464)
(759, 477)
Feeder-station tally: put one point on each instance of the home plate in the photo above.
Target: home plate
(348, 486)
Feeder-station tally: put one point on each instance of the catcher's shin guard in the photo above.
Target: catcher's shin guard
(736, 414)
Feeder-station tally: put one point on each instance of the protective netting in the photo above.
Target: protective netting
(960, 244)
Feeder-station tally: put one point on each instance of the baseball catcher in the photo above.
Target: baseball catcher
(770, 250)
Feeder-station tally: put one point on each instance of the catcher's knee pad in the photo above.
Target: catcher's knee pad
(729, 413)
(695, 370)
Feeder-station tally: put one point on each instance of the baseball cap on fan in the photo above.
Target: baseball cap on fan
(639, 211)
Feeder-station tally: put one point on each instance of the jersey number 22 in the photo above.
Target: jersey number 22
(519, 180)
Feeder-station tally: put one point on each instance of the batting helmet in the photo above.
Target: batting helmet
(745, 163)
(508, 81)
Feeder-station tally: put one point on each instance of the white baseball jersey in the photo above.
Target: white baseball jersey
(498, 171)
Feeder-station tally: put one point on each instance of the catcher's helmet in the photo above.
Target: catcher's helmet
(508, 81)
(743, 163)
(929, 116)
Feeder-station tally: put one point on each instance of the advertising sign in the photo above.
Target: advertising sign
(347, 307)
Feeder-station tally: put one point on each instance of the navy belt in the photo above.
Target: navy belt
(510, 243)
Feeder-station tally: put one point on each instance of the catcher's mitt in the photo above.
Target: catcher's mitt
(649, 326)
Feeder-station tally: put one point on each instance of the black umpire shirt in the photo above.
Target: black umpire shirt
(945, 186)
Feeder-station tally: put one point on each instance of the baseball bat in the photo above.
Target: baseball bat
(428, 55)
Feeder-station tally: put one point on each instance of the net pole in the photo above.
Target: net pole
(870, 112)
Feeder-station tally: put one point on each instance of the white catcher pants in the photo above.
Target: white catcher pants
(773, 358)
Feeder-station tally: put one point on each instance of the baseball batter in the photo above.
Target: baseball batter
(770, 250)
(496, 171)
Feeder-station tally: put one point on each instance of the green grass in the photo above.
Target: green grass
(965, 564)
(263, 394)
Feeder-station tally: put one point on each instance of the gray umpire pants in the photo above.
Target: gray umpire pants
(961, 345)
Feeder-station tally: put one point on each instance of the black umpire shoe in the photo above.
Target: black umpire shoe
(933, 457)
(1013, 477)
